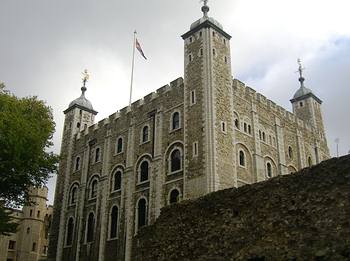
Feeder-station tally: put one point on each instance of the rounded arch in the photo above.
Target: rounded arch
(270, 167)
(145, 133)
(245, 173)
(70, 225)
(116, 185)
(90, 226)
(141, 209)
(113, 221)
(169, 163)
(292, 169)
(93, 186)
(174, 198)
(175, 120)
(119, 145)
(73, 192)
(143, 168)
(236, 120)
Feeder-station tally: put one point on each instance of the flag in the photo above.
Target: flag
(138, 47)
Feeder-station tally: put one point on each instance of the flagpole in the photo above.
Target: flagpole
(132, 68)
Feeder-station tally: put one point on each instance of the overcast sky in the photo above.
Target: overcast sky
(46, 44)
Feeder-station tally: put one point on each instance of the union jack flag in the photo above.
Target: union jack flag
(138, 47)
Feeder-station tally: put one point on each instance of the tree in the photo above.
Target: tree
(26, 129)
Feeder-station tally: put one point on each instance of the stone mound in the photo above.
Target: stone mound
(302, 216)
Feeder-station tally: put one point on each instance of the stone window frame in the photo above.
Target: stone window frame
(92, 179)
(176, 147)
(77, 161)
(97, 152)
(309, 161)
(223, 127)
(290, 152)
(195, 149)
(171, 129)
(137, 213)
(93, 229)
(236, 120)
(193, 97)
(117, 145)
(110, 222)
(34, 247)
(142, 141)
(143, 159)
(247, 126)
(114, 172)
(244, 158)
(267, 169)
(169, 194)
(66, 232)
(75, 185)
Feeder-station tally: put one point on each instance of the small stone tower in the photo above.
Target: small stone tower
(208, 94)
(307, 106)
(79, 116)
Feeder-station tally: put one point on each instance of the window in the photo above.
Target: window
(31, 212)
(93, 188)
(12, 244)
(175, 160)
(34, 247)
(193, 97)
(241, 158)
(97, 154)
(117, 180)
(190, 58)
(120, 145)
(201, 52)
(90, 228)
(77, 163)
(200, 34)
(175, 121)
(45, 250)
(145, 131)
(237, 123)
(213, 34)
(290, 152)
(144, 168)
(195, 149)
(301, 104)
(28, 230)
(73, 195)
(78, 125)
(224, 41)
(223, 127)
(190, 39)
(114, 223)
(225, 59)
(38, 214)
(214, 52)
(309, 161)
(245, 127)
(268, 170)
(141, 213)
(249, 129)
(70, 230)
(174, 196)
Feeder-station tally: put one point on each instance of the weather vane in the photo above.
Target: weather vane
(85, 77)
(205, 7)
(300, 71)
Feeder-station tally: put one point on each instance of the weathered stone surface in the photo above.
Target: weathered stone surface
(302, 216)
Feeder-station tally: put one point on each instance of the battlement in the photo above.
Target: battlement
(245, 92)
(135, 107)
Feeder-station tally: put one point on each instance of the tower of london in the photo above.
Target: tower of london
(201, 133)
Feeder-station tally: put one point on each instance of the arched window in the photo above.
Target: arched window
(249, 129)
(117, 180)
(93, 188)
(245, 127)
(309, 161)
(241, 158)
(175, 121)
(114, 222)
(90, 228)
(120, 145)
(145, 131)
(97, 154)
(144, 169)
(263, 136)
(73, 195)
(237, 123)
(141, 213)
(260, 136)
(70, 230)
(77, 163)
(268, 170)
(174, 196)
(290, 152)
(175, 160)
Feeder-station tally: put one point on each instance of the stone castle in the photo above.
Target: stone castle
(30, 242)
(200, 134)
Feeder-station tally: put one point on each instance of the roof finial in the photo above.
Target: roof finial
(205, 8)
(85, 79)
(300, 70)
